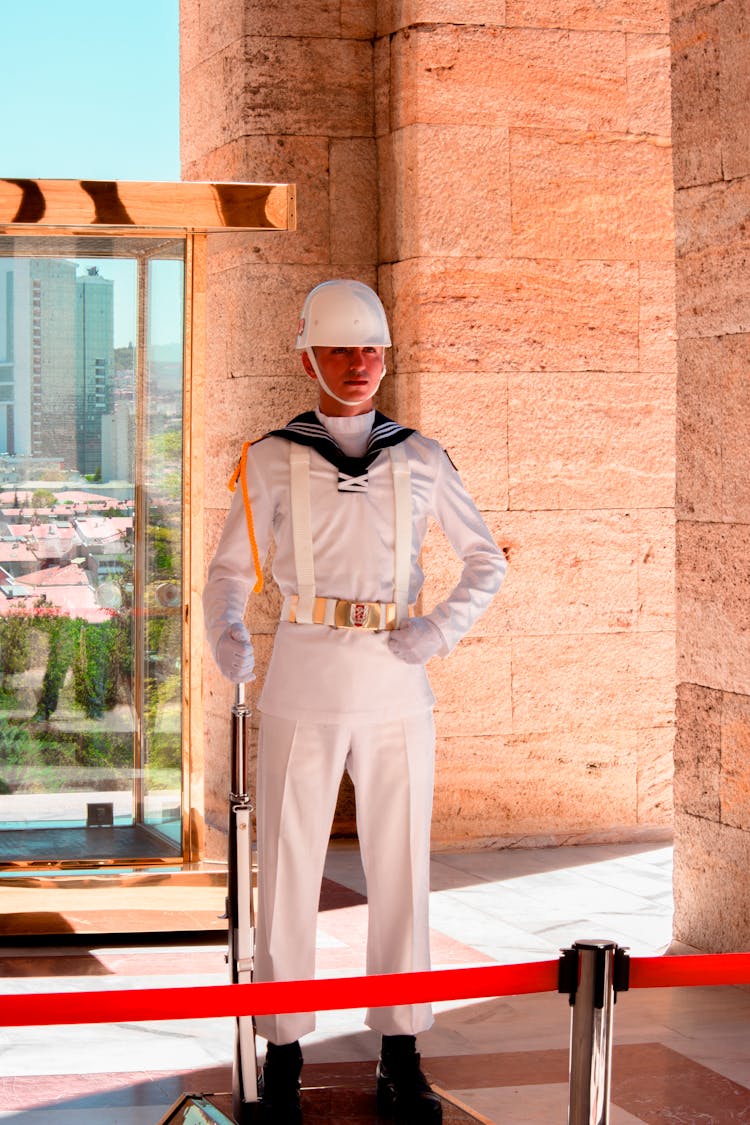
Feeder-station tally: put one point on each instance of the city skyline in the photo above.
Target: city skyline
(59, 379)
(57, 358)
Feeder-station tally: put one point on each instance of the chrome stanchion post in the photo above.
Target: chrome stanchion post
(240, 912)
(592, 972)
(201, 1109)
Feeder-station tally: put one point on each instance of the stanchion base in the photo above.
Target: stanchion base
(319, 1104)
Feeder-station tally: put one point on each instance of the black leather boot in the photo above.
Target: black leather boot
(279, 1086)
(403, 1092)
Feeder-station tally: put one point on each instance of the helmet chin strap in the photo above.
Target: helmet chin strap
(329, 392)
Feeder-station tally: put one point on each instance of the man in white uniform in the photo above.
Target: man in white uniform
(346, 495)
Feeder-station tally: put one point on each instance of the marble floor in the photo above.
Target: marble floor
(681, 1056)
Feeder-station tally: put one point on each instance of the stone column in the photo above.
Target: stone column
(279, 91)
(526, 252)
(711, 117)
(501, 170)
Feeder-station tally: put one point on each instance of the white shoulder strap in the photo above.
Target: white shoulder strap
(402, 497)
(299, 481)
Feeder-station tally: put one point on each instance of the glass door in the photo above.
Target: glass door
(91, 430)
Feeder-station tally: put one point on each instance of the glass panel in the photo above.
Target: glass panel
(90, 551)
(162, 483)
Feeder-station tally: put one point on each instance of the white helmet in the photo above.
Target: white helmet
(342, 314)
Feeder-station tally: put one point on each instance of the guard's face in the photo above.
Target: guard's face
(351, 373)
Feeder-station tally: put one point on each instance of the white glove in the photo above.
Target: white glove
(234, 654)
(416, 641)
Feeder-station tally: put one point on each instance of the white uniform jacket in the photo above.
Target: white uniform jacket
(323, 674)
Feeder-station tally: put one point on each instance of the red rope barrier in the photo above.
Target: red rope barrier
(697, 969)
(273, 999)
(128, 1005)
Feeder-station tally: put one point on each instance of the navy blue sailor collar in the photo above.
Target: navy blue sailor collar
(307, 429)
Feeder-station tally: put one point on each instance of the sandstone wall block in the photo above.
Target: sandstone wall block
(735, 754)
(713, 253)
(657, 347)
(564, 683)
(713, 421)
(535, 785)
(467, 417)
(734, 87)
(649, 84)
(259, 320)
(472, 689)
(696, 98)
(654, 776)
(353, 206)
(582, 439)
(503, 314)
(210, 96)
(237, 92)
(656, 570)
(590, 195)
(444, 192)
(569, 573)
(616, 15)
(711, 217)
(292, 18)
(207, 29)
(697, 752)
(331, 95)
(394, 15)
(734, 355)
(712, 891)
(490, 77)
(712, 299)
(358, 18)
(700, 488)
(679, 9)
(713, 575)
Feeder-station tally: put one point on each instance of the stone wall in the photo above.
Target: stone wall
(711, 64)
(501, 172)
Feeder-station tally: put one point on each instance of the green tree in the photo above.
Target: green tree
(43, 498)
(102, 657)
(63, 634)
(15, 648)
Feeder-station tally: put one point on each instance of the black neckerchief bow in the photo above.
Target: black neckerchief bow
(307, 429)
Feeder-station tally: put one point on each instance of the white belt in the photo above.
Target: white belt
(342, 614)
(307, 607)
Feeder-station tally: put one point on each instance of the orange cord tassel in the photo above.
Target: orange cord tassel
(240, 473)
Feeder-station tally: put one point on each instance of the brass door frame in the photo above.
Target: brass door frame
(64, 217)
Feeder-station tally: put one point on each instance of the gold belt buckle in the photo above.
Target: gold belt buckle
(356, 615)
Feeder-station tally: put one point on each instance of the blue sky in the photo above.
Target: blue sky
(89, 89)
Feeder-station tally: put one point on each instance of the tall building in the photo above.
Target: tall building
(38, 358)
(56, 360)
(95, 364)
(118, 443)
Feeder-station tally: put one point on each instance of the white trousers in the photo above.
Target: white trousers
(300, 766)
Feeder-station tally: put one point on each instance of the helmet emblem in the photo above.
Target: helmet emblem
(301, 328)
